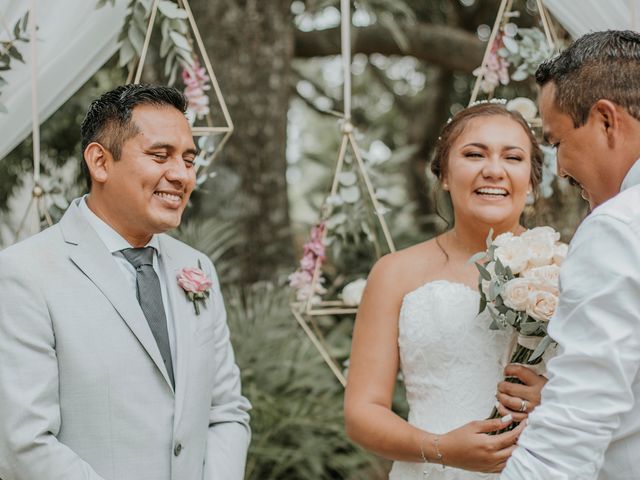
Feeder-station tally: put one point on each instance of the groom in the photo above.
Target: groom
(107, 368)
(588, 425)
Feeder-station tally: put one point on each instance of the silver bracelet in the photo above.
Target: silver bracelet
(439, 456)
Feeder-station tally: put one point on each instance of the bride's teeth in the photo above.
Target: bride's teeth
(168, 196)
(492, 191)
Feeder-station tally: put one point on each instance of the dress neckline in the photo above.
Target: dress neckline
(432, 283)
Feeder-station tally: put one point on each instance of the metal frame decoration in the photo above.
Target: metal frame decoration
(501, 19)
(210, 129)
(306, 312)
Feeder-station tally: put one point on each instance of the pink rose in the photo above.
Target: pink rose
(194, 280)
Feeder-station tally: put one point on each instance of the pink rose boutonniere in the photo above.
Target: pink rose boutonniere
(195, 284)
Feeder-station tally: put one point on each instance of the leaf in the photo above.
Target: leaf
(511, 317)
(13, 51)
(180, 40)
(347, 178)
(25, 21)
(483, 303)
(542, 346)
(136, 37)
(500, 270)
(490, 238)
(529, 328)
(494, 291)
(520, 74)
(126, 53)
(350, 194)
(511, 44)
(477, 257)
(484, 273)
(171, 10)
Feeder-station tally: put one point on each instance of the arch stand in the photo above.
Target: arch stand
(306, 312)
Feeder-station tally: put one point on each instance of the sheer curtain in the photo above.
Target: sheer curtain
(583, 16)
(74, 40)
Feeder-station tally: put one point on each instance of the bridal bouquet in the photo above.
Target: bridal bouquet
(519, 287)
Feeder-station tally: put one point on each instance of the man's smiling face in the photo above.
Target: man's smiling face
(582, 152)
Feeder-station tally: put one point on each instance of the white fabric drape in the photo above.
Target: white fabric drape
(583, 16)
(74, 41)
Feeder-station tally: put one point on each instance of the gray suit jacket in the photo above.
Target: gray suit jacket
(84, 393)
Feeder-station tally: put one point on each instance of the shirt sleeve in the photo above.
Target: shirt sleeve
(597, 327)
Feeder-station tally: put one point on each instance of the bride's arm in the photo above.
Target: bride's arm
(373, 369)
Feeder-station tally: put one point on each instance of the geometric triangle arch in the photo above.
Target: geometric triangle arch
(502, 18)
(222, 130)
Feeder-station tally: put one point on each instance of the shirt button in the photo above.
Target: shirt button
(177, 449)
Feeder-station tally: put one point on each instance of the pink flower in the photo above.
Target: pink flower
(196, 82)
(308, 262)
(300, 278)
(193, 280)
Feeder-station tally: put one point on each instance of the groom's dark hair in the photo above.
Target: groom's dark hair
(108, 119)
(599, 65)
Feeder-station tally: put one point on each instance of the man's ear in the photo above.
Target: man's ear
(97, 158)
(608, 118)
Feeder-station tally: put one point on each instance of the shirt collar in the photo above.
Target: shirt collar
(112, 239)
(632, 178)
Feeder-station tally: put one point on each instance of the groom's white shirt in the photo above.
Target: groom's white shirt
(588, 425)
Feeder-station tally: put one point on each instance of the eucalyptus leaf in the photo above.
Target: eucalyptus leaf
(494, 291)
(126, 53)
(489, 240)
(477, 257)
(542, 346)
(171, 9)
(350, 194)
(511, 44)
(484, 273)
(335, 220)
(483, 303)
(511, 317)
(529, 328)
(136, 37)
(500, 270)
(519, 75)
(180, 40)
(347, 178)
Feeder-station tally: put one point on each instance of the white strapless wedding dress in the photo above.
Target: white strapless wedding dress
(451, 363)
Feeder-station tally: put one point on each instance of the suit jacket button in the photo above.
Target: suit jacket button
(177, 449)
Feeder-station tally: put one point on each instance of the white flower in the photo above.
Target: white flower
(514, 254)
(547, 275)
(542, 305)
(560, 253)
(502, 239)
(516, 293)
(524, 106)
(541, 232)
(352, 292)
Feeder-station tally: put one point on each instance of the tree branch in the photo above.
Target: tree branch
(448, 47)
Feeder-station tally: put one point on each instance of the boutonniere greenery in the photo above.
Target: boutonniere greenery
(196, 285)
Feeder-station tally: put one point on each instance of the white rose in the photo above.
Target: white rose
(514, 254)
(541, 232)
(352, 292)
(560, 253)
(516, 293)
(542, 305)
(548, 276)
(541, 250)
(502, 239)
(524, 106)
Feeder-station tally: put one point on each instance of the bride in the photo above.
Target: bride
(419, 315)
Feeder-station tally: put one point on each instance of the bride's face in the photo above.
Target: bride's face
(489, 171)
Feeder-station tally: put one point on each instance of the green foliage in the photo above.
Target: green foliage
(297, 422)
(9, 51)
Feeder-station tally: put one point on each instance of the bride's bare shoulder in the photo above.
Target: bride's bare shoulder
(407, 267)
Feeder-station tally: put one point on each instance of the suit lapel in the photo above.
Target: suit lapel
(90, 255)
(183, 317)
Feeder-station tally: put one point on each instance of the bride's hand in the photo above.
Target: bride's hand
(519, 400)
(470, 448)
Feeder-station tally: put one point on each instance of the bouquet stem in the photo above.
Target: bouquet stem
(520, 355)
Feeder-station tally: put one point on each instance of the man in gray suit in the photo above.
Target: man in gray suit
(109, 368)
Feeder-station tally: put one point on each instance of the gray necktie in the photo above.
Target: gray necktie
(150, 299)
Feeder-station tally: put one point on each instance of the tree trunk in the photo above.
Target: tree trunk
(250, 43)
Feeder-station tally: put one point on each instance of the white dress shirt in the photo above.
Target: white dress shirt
(115, 243)
(588, 425)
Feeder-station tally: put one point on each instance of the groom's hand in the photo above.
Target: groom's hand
(470, 448)
(518, 400)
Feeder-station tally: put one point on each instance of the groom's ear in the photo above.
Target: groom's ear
(607, 118)
(97, 157)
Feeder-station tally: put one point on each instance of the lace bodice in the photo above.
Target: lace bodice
(451, 363)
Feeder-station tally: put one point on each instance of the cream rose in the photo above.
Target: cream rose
(502, 239)
(548, 276)
(547, 233)
(514, 254)
(542, 305)
(352, 292)
(541, 250)
(516, 293)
